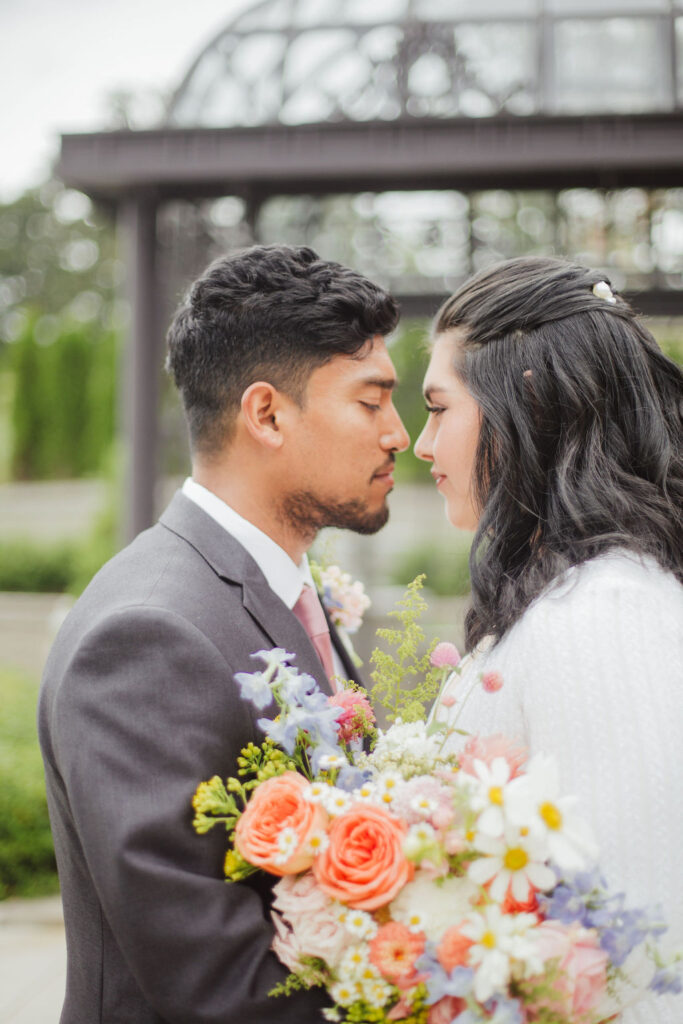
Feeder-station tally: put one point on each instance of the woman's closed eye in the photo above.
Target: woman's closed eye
(434, 409)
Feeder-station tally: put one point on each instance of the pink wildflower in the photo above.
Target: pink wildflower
(357, 717)
(488, 748)
(445, 655)
(492, 682)
(448, 700)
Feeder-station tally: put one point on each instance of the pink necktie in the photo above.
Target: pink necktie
(310, 614)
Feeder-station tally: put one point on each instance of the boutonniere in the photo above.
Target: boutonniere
(345, 600)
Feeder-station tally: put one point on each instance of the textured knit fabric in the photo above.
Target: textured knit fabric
(593, 674)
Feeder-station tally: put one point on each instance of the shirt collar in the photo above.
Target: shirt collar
(284, 577)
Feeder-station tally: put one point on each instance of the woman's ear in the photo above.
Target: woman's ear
(261, 407)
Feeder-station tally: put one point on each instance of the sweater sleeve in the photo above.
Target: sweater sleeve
(599, 668)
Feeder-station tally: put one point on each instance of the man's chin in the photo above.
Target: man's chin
(308, 514)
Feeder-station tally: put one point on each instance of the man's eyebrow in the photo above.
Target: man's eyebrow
(385, 383)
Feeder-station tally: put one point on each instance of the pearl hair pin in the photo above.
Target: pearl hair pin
(602, 290)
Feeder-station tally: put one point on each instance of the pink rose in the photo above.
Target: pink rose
(583, 966)
(307, 923)
(446, 1010)
(357, 714)
(488, 748)
(445, 655)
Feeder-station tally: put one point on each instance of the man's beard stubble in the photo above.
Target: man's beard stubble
(307, 514)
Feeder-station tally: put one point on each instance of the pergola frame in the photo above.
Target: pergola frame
(136, 171)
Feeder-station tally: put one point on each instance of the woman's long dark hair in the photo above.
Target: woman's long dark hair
(580, 445)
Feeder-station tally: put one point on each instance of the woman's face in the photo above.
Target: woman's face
(450, 435)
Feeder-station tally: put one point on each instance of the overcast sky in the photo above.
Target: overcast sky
(62, 58)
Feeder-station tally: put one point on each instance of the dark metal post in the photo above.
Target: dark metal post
(141, 365)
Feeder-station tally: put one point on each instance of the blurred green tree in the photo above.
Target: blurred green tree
(59, 319)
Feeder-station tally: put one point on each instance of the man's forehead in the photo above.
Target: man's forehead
(374, 364)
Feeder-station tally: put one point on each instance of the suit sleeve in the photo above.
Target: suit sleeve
(147, 710)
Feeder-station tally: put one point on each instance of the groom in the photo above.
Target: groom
(281, 363)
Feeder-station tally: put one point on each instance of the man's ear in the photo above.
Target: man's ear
(261, 411)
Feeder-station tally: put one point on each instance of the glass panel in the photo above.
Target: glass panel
(679, 57)
(275, 14)
(617, 65)
(667, 236)
(606, 6)
(361, 12)
(456, 10)
(507, 224)
(501, 70)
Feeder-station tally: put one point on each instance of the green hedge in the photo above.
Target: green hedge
(446, 567)
(38, 568)
(63, 402)
(27, 862)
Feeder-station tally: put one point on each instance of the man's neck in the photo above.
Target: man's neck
(255, 507)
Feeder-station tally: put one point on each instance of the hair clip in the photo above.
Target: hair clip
(602, 290)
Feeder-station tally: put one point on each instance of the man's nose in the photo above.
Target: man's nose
(397, 438)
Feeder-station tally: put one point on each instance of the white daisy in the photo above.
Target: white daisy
(534, 801)
(345, 993)
(287, 842)
(353, 961)
(514, 860)
(419, 841)
(359, 923)
(317, 792)
(376, 992)
(330, 761)
(496, 939)
(336, 801)
(317, 842)
(489, 795)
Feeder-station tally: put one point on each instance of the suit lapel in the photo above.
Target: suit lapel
(233, 563)
(340, 647)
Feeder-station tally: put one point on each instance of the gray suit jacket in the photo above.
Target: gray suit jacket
(138, 705)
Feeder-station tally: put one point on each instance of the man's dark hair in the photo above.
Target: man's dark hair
(272, 313)
(580, 443)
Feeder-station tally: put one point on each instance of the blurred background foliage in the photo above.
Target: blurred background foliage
(27, 860)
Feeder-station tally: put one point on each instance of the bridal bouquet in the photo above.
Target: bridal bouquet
(416, 885)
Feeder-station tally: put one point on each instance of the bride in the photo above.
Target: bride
(554, 432)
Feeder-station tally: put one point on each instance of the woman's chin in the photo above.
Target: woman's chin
(461, 519)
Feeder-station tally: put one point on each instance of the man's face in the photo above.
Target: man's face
(343, 446)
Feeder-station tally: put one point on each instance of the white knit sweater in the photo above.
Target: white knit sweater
(593, 673)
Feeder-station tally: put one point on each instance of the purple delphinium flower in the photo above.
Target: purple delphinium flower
(441, 983)
(583, 898)
(255, 687)
(667, 979)
(504, 1011)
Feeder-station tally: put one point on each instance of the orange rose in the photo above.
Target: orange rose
(278, 804)
(364, 866)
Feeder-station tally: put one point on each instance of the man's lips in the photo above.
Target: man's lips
(385, 472)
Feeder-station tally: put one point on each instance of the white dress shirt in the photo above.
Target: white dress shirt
(285, 578)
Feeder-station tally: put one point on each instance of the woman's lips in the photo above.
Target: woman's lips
(438, 478)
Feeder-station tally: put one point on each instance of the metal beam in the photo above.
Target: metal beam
(612, 151)
(141, 365)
